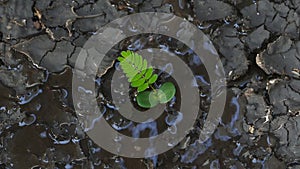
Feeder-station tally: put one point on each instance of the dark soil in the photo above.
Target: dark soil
(258, 42)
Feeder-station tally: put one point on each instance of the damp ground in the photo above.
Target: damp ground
(259, 45)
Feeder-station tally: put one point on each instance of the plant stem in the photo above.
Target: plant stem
(153, 88)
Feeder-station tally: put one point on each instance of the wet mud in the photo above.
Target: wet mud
(257, 41)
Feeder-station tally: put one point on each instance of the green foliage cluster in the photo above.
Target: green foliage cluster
(142, 77)
(137, 71)
(164, 94)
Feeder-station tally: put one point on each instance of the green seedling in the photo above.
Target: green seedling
(141, 76)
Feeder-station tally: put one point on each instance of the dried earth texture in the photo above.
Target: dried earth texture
(258, 42)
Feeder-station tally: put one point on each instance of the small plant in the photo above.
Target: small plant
(142, 77)
(137, 71)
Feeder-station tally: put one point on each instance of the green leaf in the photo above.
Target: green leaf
(138, 83)
(135, 59)
(130, 59)
(125, 53)
(148, 73)
(153, 79)
(166, 92)
(135, 69)
(131, 76)
(138, 76)
(130, 73)
(147, 99)
(143, 87)
(139, 61)
(127, 69)
(125, 65)
(144, 71)
(121, 59)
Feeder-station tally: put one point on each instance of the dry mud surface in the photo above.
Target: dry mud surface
(258, 42)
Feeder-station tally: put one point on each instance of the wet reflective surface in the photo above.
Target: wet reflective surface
(260, 125)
